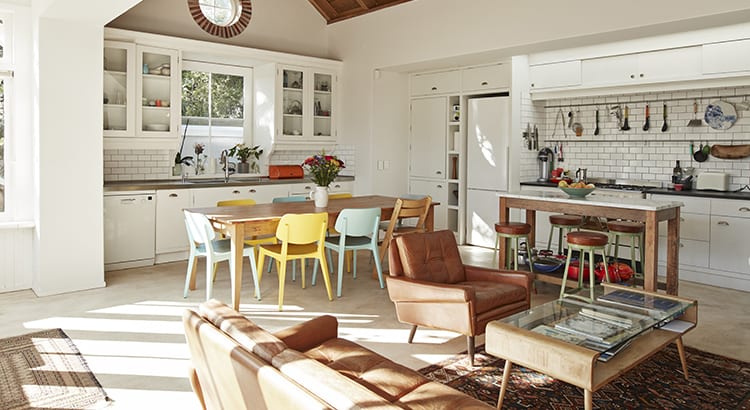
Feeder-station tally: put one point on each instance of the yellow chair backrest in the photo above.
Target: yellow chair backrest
(340, 195)
(302, 228)
(236, 202)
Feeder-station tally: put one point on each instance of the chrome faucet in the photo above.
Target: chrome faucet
(224, 161)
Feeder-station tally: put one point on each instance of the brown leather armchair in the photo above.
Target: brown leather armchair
(431, 287)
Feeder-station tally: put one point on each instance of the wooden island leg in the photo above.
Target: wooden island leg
(504, 384)
(504, 214)
(673, 253)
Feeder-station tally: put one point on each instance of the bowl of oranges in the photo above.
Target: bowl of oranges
(577, 189)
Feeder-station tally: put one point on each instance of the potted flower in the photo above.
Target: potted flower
(323, 169)
(243, 153)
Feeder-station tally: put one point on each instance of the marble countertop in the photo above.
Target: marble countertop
(745, 195)
(612, 202)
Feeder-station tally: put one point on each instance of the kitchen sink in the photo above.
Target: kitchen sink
(206, 181)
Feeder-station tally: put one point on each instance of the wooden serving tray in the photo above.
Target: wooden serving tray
(730, 151)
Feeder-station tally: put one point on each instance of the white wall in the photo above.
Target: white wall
(292, 26)
(420, 31)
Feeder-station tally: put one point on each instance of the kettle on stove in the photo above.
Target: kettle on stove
(581, 174)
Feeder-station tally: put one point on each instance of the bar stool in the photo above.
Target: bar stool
(512, 231)
(562, 222)
(633, 230)
(584, 241)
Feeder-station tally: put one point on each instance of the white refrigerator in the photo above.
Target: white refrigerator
(487, 150)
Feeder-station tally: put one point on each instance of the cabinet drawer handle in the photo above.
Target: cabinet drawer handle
(682, 219)
(439, 186)
(744, 209)
(337, 186)
(252, 191)
(439, 172)
(235, 192)
(632, 75)
(682, 245)
(725, 223)
(173, 195)
(641, 75)
(434, 88)
(485, 83)
(532, 85)
(308, 187)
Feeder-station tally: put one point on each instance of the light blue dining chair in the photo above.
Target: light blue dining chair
(358, 229)
(204, 242)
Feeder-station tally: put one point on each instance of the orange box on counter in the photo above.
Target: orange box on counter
(285, 172)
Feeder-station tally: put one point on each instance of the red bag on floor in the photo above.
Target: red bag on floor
(618, 272)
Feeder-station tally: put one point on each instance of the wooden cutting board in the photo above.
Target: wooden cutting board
(730, 151)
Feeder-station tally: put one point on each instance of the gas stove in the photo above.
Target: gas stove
(622, 187)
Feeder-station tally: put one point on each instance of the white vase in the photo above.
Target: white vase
(320, 196)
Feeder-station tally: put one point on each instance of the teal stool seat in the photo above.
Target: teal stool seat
(627, 229)
(583, 242)
(512, 232)
(562, 222)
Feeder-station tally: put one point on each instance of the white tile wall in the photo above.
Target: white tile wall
(532, 113)
(139, 165)
(647, 155)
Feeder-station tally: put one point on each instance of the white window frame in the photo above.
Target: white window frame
(6, 74)
(218, 68)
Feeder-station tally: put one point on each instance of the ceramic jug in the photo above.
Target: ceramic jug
(320, 196)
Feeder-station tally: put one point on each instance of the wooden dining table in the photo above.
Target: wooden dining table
(239, 222)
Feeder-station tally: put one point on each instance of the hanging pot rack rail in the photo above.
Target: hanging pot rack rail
(600, 104)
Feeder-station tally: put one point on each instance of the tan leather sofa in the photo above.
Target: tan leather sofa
(430, 286)
(238, 365)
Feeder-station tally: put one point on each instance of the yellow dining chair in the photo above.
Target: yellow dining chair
(301, 236)
(340, 195)
(236, 202)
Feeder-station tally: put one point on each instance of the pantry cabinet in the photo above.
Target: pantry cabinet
(485, 78)
(427, 144)
(445, 82)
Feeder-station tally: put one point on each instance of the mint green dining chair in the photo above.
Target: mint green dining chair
(358, 228)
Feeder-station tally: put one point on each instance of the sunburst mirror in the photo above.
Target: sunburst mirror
(221, 18)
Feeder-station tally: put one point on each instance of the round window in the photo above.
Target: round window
(222, 18)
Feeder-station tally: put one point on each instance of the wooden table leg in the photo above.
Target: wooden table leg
(237, 232)
(531, 220)
(588, 399)
(651, 254)
(673, 253)
(504, 385)
(504, 214)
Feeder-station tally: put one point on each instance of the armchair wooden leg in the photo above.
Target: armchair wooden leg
(470, 347)
(413, 331)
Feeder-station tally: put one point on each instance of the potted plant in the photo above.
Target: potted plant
(243, 153)
(323, 169)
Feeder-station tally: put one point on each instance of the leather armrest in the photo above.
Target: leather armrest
(519, 278)
(306, 335)
(402, 289)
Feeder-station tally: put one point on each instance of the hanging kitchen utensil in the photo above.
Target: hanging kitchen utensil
(692, 152)
(596, 130)
(560, 157)
(695, 122)
(730, 151)
(720, 115)
(535, 137)
(647, 124)
(744, 105)
(562, 121)
(664, 126)
(577, 126)
(699, 155)
(625, 125)
(706, 149)
(570, 119)
(616, 112)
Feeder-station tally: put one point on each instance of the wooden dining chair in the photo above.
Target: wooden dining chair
(406, 208)
(300, 236)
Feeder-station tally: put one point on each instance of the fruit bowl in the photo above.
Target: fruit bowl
(577, 192)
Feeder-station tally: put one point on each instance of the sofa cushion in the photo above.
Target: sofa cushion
(432, 257)
(384, 377)
(490, 295)
(327, 384)
(434, 395)
(242, 329)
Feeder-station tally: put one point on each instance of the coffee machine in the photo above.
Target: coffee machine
(545, 164)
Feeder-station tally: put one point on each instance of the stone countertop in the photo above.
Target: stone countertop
(116, 186)
(744, 195)
(606, 201)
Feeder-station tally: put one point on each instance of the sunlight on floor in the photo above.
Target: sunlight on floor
(152, 399)
(109, 325)
(424, 336)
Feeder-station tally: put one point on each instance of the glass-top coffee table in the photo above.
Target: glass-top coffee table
(590, 344)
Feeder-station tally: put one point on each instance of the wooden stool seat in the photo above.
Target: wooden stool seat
(625, 226)
(513, 228)
(584, 238)
(566, 220)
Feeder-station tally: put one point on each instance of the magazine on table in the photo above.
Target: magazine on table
(593, 329)
(639, 300)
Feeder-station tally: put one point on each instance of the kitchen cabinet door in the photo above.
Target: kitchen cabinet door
(436, 83)
(486, 78)
(609, 70)
(427, 144)
(729, 250)
(158, 92)
(171, 235)
(207, 197)
(726, 57)
(119, 89)
(554, 75)
(669, 65)
(439, 193)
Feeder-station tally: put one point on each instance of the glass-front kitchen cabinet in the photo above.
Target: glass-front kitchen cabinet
(119, 89)
(158, 96)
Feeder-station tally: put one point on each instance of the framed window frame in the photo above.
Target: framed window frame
(229, 31)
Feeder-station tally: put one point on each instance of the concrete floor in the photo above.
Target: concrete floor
(131, 334)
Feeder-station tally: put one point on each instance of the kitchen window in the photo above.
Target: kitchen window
(216, 107)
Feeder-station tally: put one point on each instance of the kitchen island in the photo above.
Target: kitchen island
(634, 209)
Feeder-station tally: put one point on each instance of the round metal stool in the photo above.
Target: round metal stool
(512, 231)
(633, 230)
(583, 242)
(562, 222)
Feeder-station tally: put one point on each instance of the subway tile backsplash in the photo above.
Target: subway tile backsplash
(644, 155)
(142, 164)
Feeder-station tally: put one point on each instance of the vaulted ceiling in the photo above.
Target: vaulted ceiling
(337, 10)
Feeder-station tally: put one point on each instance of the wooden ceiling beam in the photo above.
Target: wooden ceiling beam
(337, 10)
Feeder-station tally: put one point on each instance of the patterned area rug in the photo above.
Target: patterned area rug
(715, 382)
(45, 370)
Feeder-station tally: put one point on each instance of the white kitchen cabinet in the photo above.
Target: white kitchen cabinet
(692, 253)
(427, 144)
(119, 89)
(439, 192)
(158, 92)
(445, 82)
(171, 235)
(261, 194)
(304, 189)
(729, 250)
(554, 75)
(726, 57)
(639, 68)
(485, 78)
